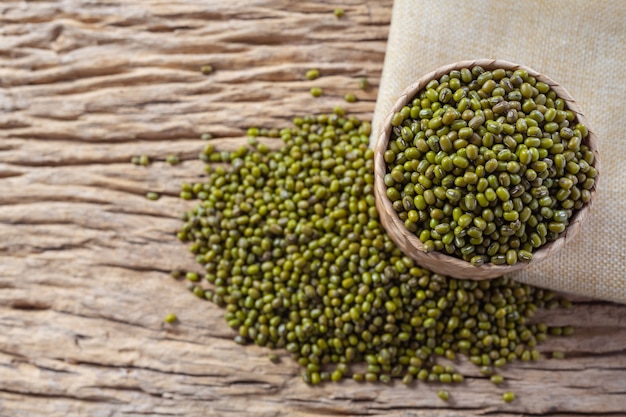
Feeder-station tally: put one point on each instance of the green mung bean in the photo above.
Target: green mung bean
(152, 195)
(172, 159)
(274, 358)
(350, 98)
(316, 91)
(508, 396)
(144, 160)
(312, 74)
(170, 318)
(443, 394)
(496, 379)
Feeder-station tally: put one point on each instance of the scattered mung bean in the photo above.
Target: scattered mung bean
(172, 159)
(312, 74)
(143, 160)
(170, 318)
(350, 98)
(558, 355)
(363, 83)
(508, 396)
(274, 358)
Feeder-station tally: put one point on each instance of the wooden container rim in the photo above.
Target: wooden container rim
(439, 262)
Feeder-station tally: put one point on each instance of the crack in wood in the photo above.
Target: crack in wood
(89, 398)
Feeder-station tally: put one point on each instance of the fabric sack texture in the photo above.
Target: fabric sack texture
(578, 43)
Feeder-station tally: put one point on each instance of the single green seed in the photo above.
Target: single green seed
(192, 276)
(558, 355)
(493, 126)
(312, 74)
(170, 318)
(397, 119)
(503, 194)
(172, 159)
(496, 379)
(316, 91)
(460, 162)
(315, 378)
(339, 111)
(443, 394)
(350, 98)
(364, 84)
(144, 160)
(153, 196)
(465, 133)
(508, 396)
(274, 358)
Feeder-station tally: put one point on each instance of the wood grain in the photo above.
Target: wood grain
(84, 257)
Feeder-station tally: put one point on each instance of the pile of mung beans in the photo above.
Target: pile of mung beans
(487, 166)
(292, 248)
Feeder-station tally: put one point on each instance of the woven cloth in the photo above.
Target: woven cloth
(579, 43)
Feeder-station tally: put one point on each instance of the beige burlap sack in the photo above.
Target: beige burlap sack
(580, 44)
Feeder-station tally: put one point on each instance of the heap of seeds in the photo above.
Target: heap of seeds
(292, 248)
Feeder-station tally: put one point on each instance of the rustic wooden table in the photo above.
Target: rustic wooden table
(85, 258)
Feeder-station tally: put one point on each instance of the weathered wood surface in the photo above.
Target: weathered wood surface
(84, 257)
